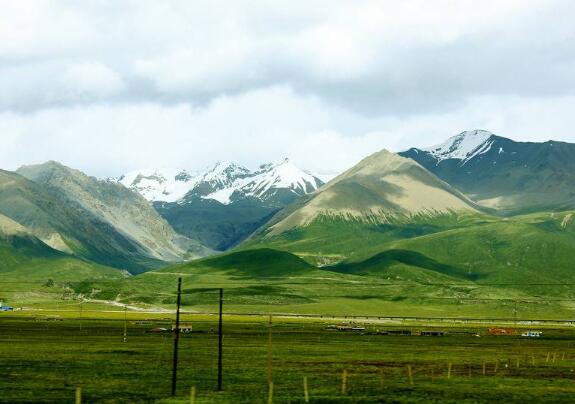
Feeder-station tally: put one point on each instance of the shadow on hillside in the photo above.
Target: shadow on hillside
(382, 262)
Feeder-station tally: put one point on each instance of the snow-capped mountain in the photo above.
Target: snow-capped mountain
(224, 182)
(223, 205)
(463, 146)
(503, 174)
(164, 184)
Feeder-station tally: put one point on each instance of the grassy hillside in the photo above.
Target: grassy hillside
(328, 240)
(395, 282)
(32, 272)
(531, 249)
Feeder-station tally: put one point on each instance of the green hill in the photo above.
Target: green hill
(33, 272)
(264, 262)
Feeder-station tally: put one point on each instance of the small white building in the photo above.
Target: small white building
(532, 334)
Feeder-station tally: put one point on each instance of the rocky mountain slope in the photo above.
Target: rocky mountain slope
(512, 177)
(96, 220)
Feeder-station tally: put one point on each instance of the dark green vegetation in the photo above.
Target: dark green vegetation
(515, 177)
(412, 277)
(44, 361)
(216, 225)
(24, 258)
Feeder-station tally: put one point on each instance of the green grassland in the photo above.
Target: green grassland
(45, 361)
(272, 281)
(451, 265)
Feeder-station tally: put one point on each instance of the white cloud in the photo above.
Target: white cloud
(86, 80)
(257, 127)
(111, 86)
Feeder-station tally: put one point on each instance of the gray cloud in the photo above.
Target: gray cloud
(143, 82)
(376, 57)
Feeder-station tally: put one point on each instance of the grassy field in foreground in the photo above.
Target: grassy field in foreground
(44, 361)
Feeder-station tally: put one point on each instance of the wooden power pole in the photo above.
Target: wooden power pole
(176, 338)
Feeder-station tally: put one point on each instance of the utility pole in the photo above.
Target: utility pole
(220, 341)
(176, 338)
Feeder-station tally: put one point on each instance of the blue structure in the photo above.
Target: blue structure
(5, 308)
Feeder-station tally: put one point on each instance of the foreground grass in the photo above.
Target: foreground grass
(44, 361)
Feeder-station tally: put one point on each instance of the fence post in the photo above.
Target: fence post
(410, 374)
(271, 393)
(305, 390)
(344, 382)
(78, 395)
(193, 395)
(449, 370)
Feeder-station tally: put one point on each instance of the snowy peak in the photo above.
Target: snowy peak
(223, 174)
(463, 146)
(282, 175)
(224, 182)
(166, 184)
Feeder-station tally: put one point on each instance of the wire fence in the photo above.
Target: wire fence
(124, 355)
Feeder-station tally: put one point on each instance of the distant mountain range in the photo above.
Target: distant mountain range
(389, 217)
(223, 205)
(224, 182)
(478, 205)
(510, 177)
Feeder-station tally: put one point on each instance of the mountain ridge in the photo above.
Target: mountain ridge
(500, 173)
(225, 182)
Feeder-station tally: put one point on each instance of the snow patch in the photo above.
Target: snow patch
(463, 146)
(220, 182)
(165, 184)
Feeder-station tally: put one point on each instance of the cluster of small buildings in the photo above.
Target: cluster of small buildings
(513, 331)
(184, 329)
(351, 327)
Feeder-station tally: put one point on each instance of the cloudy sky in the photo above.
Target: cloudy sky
(111, 86)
